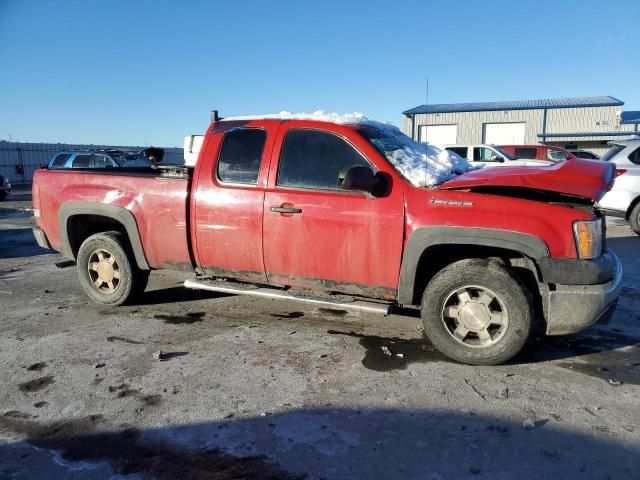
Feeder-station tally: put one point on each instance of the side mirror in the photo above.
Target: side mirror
(363, 179)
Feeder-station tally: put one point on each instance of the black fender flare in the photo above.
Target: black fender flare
(119, 214)
(427, 237)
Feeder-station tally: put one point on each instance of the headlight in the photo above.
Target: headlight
(588, 238)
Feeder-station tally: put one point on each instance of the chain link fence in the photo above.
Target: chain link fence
(19, 160)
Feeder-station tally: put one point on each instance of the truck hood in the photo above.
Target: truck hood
(576, 177)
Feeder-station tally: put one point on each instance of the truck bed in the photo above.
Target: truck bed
(157, 198)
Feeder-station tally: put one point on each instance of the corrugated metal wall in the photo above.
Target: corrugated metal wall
(560, 120)
(470, 124)
(32, 155)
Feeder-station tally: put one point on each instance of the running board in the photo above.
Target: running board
(248, 289)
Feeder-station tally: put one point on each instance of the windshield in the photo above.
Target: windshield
(503, 153)
(556, 155)
(124, 159)
(422, 164)
(612, 152)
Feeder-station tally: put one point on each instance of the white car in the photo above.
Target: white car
(492, 156)
(623, 200)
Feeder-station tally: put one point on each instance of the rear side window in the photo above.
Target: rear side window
(462, 151)
(240, 155)
(81, 161)
(101, 161)
(314, 159)
(60, 160)
(635, 156)
(527, 153)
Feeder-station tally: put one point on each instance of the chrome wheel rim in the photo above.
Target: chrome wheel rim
(475, 316)
(104, 271)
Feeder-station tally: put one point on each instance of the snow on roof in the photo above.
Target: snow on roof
(423, 165)
(318, 115)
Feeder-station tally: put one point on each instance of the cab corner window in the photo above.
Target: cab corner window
(240, 155)
(313, 159)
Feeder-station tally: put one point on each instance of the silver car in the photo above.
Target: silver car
(624, 198)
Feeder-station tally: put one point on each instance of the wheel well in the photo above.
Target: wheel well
(631, 207)
(81, 227)
(435, 258)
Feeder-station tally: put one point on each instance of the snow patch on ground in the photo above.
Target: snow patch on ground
(422, 164)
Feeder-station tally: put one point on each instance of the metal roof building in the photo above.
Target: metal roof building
(582, 122)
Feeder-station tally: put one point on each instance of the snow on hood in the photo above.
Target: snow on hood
(422, 164)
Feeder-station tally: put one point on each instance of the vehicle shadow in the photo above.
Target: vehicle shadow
(176, 295)
(316, 443)
(20, 242)
(18, 196)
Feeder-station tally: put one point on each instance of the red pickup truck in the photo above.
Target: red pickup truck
(322, 212)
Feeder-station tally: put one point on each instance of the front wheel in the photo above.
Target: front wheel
(477, 312)
(107, 269)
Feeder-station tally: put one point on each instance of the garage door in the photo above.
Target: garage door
(503, 133)
(439, 134)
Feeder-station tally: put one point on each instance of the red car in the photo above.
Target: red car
(318, 212)
(539, 152)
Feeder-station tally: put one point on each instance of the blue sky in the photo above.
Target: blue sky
(143, 72)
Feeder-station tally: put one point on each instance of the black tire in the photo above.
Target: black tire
(634, 219)
(3, 195)
(94, 257)
(450, 303)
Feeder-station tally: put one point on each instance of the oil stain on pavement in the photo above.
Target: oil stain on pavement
(191, 317)
(384, 354)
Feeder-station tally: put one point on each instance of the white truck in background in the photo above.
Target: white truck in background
(192, 146)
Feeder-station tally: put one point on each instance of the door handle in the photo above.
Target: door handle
(284, 209)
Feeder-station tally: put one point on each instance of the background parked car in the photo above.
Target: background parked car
(99, 159)
(492, 156)
(585, 154)
(5, 187)
(538, 152)
(623, 200)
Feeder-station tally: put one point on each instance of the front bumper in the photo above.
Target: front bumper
(571, 308)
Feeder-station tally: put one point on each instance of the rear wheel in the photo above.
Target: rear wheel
(3, 195)
(634, 219)
(477, 312)
(107, 269)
